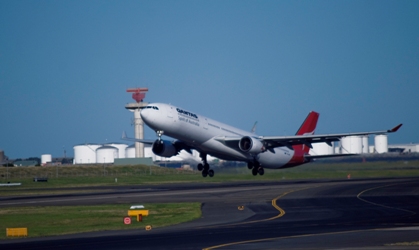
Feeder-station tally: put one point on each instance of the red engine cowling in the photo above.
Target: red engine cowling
(164, 148)
(251, 145)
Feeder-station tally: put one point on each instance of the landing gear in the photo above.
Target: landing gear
(159, 135)
(254, 171)
(205, 168)
(211, 173)
(256, 168)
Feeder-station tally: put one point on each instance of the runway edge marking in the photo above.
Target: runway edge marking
(289, 237)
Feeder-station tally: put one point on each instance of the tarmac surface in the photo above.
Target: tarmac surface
(309, 214)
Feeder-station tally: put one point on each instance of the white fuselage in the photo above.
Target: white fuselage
(199, 132)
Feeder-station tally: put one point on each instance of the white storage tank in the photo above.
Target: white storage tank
(85, 153)
(351, 145)
(321, 148)
(130, 151)
(337, 150)
(371, 149)
(381, 144)
(45, 159)
(365, 144)
(149, 153)
(121, 148)
(106, 154)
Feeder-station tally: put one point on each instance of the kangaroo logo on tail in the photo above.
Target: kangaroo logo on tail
(307, 128)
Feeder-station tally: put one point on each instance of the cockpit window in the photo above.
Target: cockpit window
(151, 107)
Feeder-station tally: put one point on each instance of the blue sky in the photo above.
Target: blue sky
(65, 66)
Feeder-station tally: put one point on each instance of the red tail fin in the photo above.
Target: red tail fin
(309, 124)
(307, 128)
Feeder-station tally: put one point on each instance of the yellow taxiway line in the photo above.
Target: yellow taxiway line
(281, 213)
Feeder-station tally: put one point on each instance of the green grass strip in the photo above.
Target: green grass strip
(59, 220)
(90, 176)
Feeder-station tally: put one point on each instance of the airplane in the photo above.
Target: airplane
(210, 137)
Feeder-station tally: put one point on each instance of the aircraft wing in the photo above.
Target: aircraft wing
(288, 141)
(277, 141)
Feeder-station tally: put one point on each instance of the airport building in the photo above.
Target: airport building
(404, 148)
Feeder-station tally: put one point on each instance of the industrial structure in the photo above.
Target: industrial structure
(109, 153)
(381, 144)
(85, 153)
(106, 154)
(45, 159)
(404, 148)
(321, 149)
(352, 145)
(92, 153)
(360, 145)
(121, 149)
(130, 151)
(138, 94)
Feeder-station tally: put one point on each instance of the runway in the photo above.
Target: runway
(311, 214)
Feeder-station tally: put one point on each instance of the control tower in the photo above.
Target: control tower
(138, 94)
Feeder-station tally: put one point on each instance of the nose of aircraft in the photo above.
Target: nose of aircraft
(151, 116)
(145, 115)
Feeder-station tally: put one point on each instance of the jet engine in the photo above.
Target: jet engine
(250, 145)
(164, 148)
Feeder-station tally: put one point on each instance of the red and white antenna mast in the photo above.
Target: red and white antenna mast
(138, 94)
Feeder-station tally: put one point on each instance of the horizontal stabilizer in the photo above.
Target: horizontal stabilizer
(125, 138)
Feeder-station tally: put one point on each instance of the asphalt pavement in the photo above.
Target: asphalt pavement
(308, 214)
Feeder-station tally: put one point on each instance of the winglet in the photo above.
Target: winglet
(254, 127)
(395, 128)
